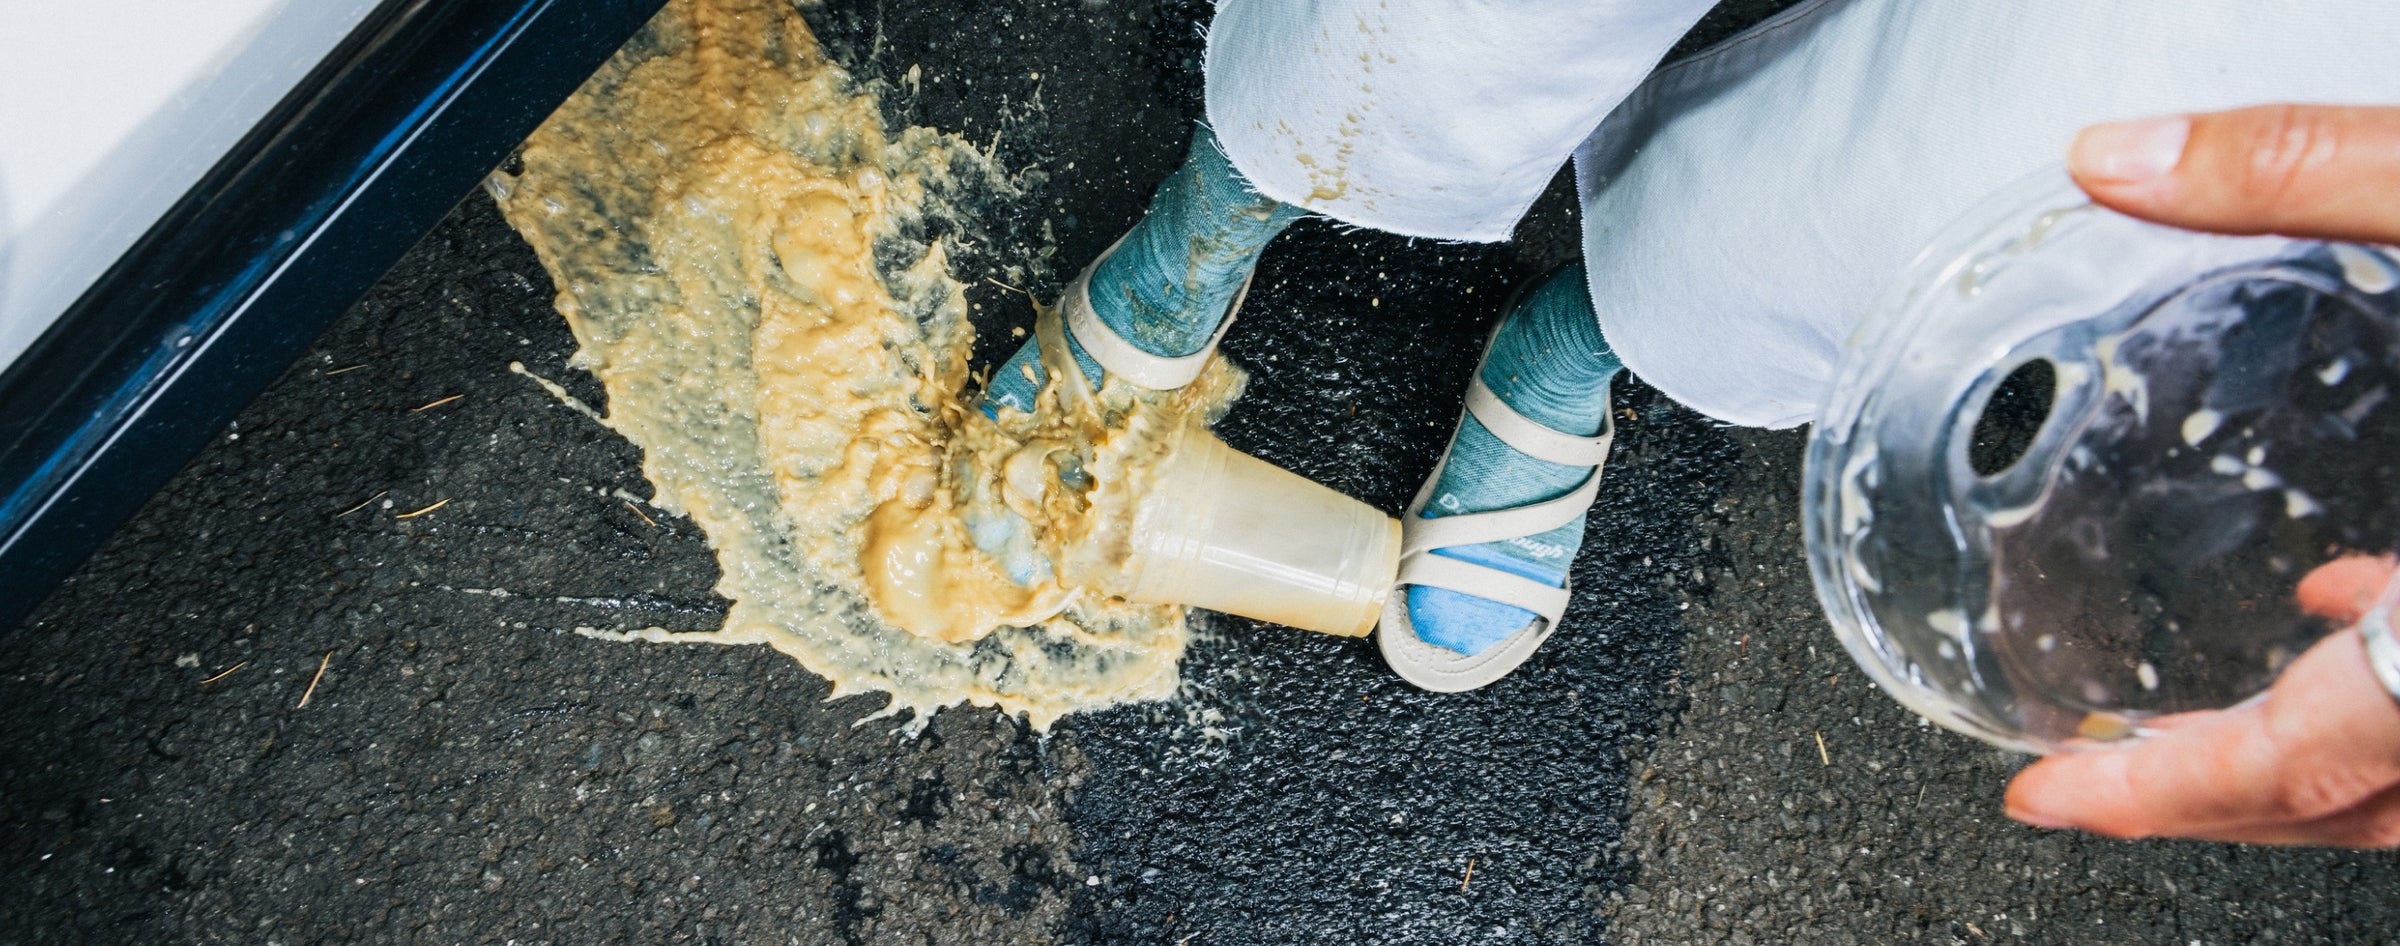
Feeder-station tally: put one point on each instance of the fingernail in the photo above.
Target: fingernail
(2130, 152)
(2038, 820)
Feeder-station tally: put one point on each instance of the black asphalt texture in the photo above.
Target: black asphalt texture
(466, 771)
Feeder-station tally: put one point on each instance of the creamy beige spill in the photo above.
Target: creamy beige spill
(713, 206)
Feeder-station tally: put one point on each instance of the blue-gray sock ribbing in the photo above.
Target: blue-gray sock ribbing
(1166, 288)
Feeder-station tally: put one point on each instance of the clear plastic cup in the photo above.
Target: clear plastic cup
(1226, 531)
(2075, 465)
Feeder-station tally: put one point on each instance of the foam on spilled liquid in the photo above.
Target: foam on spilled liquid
(712, 206)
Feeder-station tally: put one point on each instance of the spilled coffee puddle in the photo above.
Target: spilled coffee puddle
(737, 243)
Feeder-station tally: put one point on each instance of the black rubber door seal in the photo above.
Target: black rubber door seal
(219, 297)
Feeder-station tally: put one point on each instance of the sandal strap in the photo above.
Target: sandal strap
(1419, 534)
(1058, 360)
(1530, 437)
(1491, 584)
(1120, 358)
(1526, 436)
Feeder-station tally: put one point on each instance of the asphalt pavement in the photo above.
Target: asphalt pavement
(283, 707)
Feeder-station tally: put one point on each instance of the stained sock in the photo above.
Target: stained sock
(1167, 286)
(1165, 289)
(1552, 365)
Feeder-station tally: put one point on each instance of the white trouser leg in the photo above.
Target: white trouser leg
(1745, 207)
(1432, 118)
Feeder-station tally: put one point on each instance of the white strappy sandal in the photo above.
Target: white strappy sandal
(1440, 669)
(1121, 358)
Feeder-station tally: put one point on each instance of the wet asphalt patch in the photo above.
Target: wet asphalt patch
(1343, 803)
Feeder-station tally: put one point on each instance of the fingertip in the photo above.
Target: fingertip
(2034, 818)
(2343, 589)
(2127, 157)
(2299, 170)
(2035, 796)
(2088, 791)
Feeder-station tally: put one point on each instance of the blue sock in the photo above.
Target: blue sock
(1551, 364)
(1166, 288)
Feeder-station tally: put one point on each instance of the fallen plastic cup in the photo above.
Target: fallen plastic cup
(2075, 465)
(1223, 530)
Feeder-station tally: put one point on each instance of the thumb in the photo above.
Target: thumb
(2329, 172)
